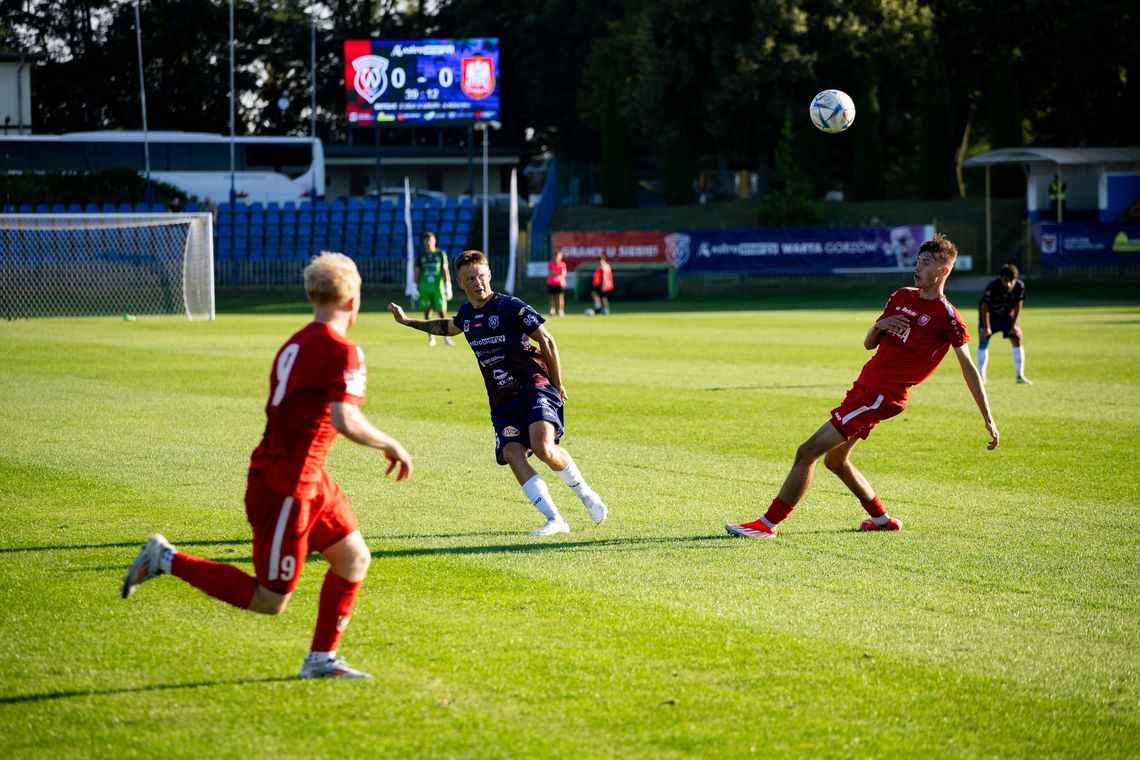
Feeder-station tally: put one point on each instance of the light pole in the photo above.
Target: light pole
(485, 127)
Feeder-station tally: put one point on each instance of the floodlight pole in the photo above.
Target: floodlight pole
(485, 127)
(233, 179)
(313, 89)
(142, 99)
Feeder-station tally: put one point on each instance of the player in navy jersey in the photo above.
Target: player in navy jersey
(524, 386)
(998, 312)
(910, 338)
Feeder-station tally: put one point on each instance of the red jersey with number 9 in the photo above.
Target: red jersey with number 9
(315, 367)
(909, 358)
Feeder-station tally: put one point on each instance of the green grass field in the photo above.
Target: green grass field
(1003, 621)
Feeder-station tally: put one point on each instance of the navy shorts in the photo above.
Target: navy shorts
(513, 419)
(1002, 325)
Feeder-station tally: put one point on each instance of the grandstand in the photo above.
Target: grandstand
(361, 228)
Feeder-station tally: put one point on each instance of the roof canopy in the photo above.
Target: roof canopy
(1059, 156)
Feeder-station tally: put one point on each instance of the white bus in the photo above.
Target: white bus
(277, 169)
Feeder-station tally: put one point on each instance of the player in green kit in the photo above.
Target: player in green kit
(434, 282)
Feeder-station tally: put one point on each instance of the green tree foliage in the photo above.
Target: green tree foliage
(935, 172)
(698, 79)
(109, 186)
(789, 203)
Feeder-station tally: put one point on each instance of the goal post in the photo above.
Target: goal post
(56, 265)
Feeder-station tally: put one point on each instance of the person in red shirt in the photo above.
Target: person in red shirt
(556, 285)
(316, 387)
(913, 334)
(603, 286)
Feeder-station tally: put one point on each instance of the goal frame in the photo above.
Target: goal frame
(196, 268)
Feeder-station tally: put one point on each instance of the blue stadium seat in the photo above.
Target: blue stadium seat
(126, 208)
(58, 208)
(43, 208)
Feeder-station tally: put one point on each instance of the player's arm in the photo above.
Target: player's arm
(895, 323)
(351, 422)
(984, 319)
(978, 391)
(432, 326)
(549, 350)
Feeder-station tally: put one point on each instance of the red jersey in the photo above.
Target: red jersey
(315, 367)
(604, 276)
(556, 273)
(905, 360)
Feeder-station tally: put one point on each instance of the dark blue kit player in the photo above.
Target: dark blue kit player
(998, 311)
(520, 366)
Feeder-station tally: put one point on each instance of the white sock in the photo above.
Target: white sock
(765, 520)
(983, 357)
(165, 557)
(572, 477)
(1019, 360)
(882, 519)
(539, 494)
(320, 656)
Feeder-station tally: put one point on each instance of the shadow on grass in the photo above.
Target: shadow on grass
(534, 545)
(121, 545)
(53, 695)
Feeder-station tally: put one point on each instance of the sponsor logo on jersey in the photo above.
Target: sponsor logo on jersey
(466, 325)
(493, 359)
(492, 339)
(905, 310)
(530, 321)
(493, 322)
(502, 378)
(355, 381)
(510, 431)
(923, 319)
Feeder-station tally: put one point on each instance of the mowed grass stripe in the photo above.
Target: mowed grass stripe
(1003, 620)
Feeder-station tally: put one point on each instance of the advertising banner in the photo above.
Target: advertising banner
(421, 81)
(1064, 245)
(758, 251)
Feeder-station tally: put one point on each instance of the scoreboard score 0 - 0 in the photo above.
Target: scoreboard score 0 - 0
(421, 81)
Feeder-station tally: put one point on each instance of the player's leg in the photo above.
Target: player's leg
(218, 579)
(535, 488)
(544, 435)
(561, 303)
(552, 300)
(1018, 352)
(983, 355)
(795, 484)
(335, 535)
(838, 460)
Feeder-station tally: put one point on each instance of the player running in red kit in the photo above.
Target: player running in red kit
(316, 387)
(916, 329)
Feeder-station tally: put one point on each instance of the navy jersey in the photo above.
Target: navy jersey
(1001, 301)
(499, 334)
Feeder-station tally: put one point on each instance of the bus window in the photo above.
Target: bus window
(290, 160)
(110, 155)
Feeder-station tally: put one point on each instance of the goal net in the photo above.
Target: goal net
(55, 265)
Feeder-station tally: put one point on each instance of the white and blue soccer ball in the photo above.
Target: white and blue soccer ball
(589, 312)
(832, 111)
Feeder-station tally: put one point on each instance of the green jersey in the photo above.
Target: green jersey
(431, 265)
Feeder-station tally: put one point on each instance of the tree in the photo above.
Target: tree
(790, 203)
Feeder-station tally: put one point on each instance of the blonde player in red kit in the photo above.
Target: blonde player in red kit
(913, 334)
(316, 387)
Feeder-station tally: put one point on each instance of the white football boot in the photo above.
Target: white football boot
(146, 564)
(552, 527)
(595, 506)
(333, 668)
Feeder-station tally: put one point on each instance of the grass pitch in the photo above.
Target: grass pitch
(1002, 621)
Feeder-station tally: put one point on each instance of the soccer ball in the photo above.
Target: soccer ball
(589, 312)
(832, 111)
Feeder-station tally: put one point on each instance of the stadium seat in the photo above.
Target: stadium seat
(58, 208)
(43, 208)
(74, 208)
(126, 208)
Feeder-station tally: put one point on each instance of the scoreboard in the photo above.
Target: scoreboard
(420, 82)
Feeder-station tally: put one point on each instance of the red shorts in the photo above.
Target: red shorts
(286, 529)
(862, 409)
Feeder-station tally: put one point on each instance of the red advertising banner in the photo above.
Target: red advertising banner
(619, 247)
